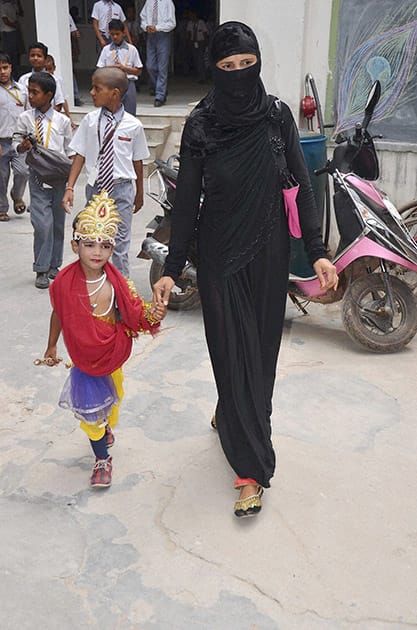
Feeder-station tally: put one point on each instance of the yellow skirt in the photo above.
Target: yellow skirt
(96, 431)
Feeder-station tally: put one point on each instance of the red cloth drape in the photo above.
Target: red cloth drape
(96, 346)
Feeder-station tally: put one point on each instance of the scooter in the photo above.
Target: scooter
(161, 186)
(379, 309)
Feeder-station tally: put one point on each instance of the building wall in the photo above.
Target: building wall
(295, 38)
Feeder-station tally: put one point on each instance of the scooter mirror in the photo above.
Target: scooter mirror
(373, 97)
(371, 102)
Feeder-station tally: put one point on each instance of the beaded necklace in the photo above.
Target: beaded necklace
(101, 282)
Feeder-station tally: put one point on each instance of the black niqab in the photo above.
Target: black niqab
(238, 99)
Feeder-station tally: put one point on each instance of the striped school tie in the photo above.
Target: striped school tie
(105, 168)
(39, 126)
(155, 13)
(109, 15)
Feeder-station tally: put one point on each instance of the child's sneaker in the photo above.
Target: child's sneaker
(101, 477)
(110, 439)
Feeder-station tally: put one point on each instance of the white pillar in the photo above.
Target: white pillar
(52, 27)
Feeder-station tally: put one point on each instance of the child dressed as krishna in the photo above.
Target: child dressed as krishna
(99, 313)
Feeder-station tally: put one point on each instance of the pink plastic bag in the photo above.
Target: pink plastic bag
(291, 209)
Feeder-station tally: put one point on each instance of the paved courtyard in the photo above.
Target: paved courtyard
(334, 548)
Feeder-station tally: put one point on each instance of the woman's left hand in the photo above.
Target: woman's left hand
(326, 273)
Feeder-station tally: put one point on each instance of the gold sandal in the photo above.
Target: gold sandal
(249, 506)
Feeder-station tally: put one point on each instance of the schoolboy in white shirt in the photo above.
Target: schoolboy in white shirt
(13, 101)
(53, 131)
(103, 12)
(38, 53)
(112, 144)
(124, 56)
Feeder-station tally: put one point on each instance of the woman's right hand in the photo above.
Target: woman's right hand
(162, 290)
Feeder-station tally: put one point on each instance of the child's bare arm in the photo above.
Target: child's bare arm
(54, 332)
(138, 203)
(98, 34)
(76, 166)
(127, 34)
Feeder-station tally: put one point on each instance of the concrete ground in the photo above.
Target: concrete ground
(335, 546)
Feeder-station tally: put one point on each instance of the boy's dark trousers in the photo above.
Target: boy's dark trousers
(8, 158)
(48, 219)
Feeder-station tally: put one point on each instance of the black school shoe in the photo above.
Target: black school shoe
(42, 280)
(52, 273)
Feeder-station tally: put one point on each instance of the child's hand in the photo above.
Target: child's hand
(68, 200)
(24, 146)
(158, 312)
(138, 203)
(50, 357)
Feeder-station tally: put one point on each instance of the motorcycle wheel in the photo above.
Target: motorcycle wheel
(409, 215)
(364, 319)
(183, 296)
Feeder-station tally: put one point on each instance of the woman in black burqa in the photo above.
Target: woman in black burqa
(231, 141)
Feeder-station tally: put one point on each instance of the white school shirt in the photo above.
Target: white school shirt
(60, 129)
(59, 97)
(128, 56)
(13, 101)
(129, 142)
(100, 13)
(166, 15)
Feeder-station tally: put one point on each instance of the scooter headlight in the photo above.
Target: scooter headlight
(391, 209)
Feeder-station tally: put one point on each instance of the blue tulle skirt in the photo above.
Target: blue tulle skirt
(89, 397)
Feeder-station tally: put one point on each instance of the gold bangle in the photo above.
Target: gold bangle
(147, 306)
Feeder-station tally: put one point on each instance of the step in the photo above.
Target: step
(156, 132)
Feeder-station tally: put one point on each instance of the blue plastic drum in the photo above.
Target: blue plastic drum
(314, 149)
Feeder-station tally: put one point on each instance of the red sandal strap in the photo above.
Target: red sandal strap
(247, 481)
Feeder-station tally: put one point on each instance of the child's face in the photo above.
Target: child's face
(5, 72)
(49, 66)
(93, 256)
(117, 37)
(37, 97)
(37, 59)
(103, 95)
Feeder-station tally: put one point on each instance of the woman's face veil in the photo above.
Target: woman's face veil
(239, 92)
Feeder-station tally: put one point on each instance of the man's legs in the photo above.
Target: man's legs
(163, 52)
(151, 59)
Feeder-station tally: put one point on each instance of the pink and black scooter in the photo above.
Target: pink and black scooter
(379, 309)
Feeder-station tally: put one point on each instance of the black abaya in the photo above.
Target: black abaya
(243, 247)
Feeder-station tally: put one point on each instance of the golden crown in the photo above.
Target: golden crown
(98, 221)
